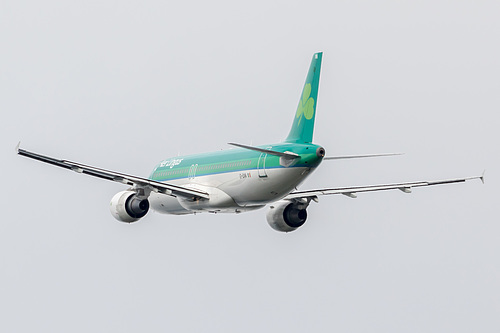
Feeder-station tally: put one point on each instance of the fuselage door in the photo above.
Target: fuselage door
(261, 165)
(192, 171)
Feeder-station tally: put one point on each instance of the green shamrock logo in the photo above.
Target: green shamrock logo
(306, 104)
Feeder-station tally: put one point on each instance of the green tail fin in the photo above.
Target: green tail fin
(303, 124)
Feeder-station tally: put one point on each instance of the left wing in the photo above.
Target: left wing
(142, 183)
(352, 191)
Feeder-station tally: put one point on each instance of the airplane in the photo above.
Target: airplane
(241, 179)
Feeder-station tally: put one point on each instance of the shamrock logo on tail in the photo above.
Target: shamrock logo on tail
(306, 104)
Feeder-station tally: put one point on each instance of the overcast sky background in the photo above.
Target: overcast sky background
(123, 85)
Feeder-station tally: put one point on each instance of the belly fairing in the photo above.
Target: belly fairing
(167, 204)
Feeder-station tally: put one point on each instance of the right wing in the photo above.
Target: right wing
(352, 191)
(138, 182)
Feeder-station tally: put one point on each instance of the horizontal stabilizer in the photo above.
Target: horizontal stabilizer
(286, 154)
(359, 156)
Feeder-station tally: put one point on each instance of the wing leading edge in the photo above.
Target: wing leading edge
(352, 191)
(138, 182)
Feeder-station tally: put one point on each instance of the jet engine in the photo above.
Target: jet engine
(126, 206)
(287, 216)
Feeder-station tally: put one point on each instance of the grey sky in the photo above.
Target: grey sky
(123, 85)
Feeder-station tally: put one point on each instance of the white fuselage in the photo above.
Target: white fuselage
(232, 192)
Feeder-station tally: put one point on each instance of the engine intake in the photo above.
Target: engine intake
(286, 216)
(126, 206)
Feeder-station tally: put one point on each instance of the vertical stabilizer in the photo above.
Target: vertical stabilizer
(303, 124)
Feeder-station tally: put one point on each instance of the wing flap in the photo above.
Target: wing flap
(117, 177)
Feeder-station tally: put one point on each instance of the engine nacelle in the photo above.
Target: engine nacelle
(286, 216)
(127, 207)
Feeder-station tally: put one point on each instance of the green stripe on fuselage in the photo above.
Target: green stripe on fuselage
(232, 160)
